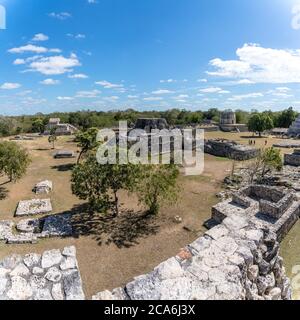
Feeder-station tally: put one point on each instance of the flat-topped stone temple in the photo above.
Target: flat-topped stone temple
(230, 149)
(149, 124)
(292, 159)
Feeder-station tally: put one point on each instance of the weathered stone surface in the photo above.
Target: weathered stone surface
(23, 278)
(20, 270)
(69, 251)
(275, 294)
(33, 207)
(68, 263)
(53, 274)
(217, 232)
(253, 273)
(32, 259)
(72, 285)
(51, 258)
(57, 292)
(20, 289)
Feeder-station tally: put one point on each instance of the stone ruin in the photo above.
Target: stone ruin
(149, 124)
(230, 149)
(235, 260)
(30, 230)
(294, 129)
(274, 208)
(43, 187)
(33, 207)
(54, 275)
(292, 159)
(64, 154)
(287, 144)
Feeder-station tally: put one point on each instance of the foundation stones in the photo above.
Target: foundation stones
(43, 187)
(39, 277)
(33, 207)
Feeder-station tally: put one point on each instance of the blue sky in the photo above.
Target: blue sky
(65, 55)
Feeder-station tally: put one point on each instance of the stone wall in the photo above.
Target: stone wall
(54, 275)
(230, 149)
(233, 261)
(292, 159)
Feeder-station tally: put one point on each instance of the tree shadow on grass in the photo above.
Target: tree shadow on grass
(64, 167)
(124, 231)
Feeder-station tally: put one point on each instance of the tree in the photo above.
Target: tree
(87, 140)
(260, 123)
(52, 137)
(286, 118)
(38, 126)
(268, 160)
(14, 160)
(158, 185)
(100, 184)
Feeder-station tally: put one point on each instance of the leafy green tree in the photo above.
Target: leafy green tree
(100, 184)
(14, 160)
(158, 185)
(286, 118)
(269, 159)
(260, 123)
(52, 137)
(87, 140)
(38, 126)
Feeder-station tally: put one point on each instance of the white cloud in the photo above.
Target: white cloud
(162, 91)
(64, 98)
(202, 80)
(19, 62)
(60, 15)
(211, 90)
(246, 96)
(153, 99)
(88, 94)
(28, 48)
(55, 65)
(78, 76)
(260, 65)
(10, 86)
(50, 82)
(132, 97)
(108, 85)
(168, 81)
(40, 37)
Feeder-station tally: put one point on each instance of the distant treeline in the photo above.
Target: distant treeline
(87, 119)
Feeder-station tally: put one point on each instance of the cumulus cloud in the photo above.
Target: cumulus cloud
(108, 85)
(55, 65)
(78, 76)
(10, 86)
(214, 90)
(161, 91)
(50, 82)
(60, 15)
(40, 37)
(153, 99)
(246, 96)
(28, 48)
(260, 65)
(88, 94)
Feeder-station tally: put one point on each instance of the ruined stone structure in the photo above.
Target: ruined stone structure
(288, 144)
(33, 207)
(62, 129)
(228, 122)
(151, 124)
(273, 208)
(230, 149)
(292, 159)
(294, 129)
(54, 275)
(30, 230)
(43, 187)
(233, 261)
(62, 154)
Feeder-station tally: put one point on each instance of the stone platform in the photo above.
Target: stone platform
(33, 207)
(54, 275)
(292, 159)
(230, 149)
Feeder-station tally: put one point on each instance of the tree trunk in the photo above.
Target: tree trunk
(116, 203)
(79, 157)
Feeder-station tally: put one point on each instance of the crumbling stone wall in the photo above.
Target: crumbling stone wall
(233, 261)
(54, 275)
(230, 149)
(292, 159)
